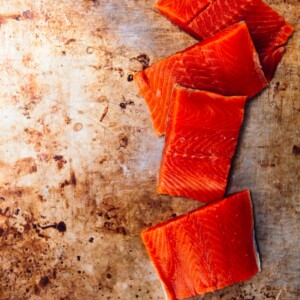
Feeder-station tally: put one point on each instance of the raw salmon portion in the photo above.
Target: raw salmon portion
(226, 63)
(201, 138)
(269, 30)
(181, 12)
(206, 249)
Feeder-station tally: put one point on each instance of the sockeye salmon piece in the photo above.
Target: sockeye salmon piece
(201, 138)
(269, 31)
(205, 250)
(181, 12)
(226, 63)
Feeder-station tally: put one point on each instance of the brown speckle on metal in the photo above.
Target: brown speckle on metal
(28, 14)
(105, 111)
(70, 41)
(123, 140)
(78, 127)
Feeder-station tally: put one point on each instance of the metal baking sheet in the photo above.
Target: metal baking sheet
(79, 158)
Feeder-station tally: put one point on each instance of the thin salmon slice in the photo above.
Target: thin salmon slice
(269, 31)
(201, 138)
(216, 64)
(205, 250)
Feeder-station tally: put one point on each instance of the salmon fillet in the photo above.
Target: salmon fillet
(205, 250)
(201, 138)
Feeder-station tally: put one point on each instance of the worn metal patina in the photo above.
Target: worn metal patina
(79, 158)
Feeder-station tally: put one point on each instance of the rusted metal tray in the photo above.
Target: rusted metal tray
(79, 159)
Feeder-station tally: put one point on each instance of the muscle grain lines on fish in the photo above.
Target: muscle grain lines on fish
(182, 11)
(205, 250)
(216, 65)
(201, 138)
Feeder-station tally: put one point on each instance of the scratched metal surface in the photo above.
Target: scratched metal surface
(78, 157)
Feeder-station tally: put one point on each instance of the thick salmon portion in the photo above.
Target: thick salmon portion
(201, 138)
(269, 31)
(226, 63)
(207, 249)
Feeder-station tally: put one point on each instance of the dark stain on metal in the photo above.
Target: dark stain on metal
(31, 95)
(61, 227)
(121, 230)
(33, 169)
(143, 59)
(122, 105)
(70, 41)
(296, 150)
(130, 77)
(65, 183)
(123, 140)
(125, 102)
(60, 161)
(111, 213)
(276, 87)
(266, 164)
(61, 164)
(89, 50)
(73, 178)
(58, 157)
(5, 211)
(109, 225)
(120, 70)
(102, 160)
(27, 227)
(44, 281)
(36, 290)
(28, 14)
